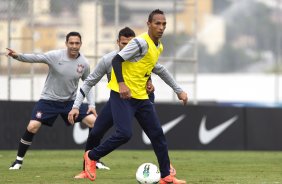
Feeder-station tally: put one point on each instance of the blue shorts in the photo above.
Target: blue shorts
(47, 111)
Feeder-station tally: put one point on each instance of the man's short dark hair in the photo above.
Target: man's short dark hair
(154, 12)
(73, 33)
(126, 32)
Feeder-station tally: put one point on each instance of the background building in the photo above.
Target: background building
(205, 39)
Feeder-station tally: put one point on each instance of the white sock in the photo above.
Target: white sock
(19, 158)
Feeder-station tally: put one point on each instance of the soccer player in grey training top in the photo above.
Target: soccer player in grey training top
(104, 67)
(66, 67)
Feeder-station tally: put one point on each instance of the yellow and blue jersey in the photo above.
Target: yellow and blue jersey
(140, 55)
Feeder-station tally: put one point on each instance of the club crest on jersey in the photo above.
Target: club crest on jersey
(39, 114)
(80, 68)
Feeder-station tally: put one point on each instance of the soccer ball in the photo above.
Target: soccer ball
(148, 173)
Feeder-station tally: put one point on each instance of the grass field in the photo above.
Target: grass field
(59, 167)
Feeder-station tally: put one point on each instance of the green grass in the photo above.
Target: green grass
(212, 167)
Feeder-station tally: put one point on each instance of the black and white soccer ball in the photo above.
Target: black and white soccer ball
(148, 173)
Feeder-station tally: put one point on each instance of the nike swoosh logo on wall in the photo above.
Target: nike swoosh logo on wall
(79, 134)
(206, 136)
(166, 128)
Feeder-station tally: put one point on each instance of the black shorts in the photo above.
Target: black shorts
(47, 111)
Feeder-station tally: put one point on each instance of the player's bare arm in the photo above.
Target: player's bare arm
(183, 96)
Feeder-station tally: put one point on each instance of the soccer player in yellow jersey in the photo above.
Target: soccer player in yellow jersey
(132, 67)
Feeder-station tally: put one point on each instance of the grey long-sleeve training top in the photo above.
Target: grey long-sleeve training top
(64, 73)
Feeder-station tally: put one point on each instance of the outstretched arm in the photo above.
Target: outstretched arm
(12, 53)
(32, 58)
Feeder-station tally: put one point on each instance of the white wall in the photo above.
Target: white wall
(211, 87)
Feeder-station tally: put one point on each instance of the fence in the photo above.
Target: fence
(202, 37)
(41, 25)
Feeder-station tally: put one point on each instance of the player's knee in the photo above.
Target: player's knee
(89, 120)
(91, 124)
(33, 127)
